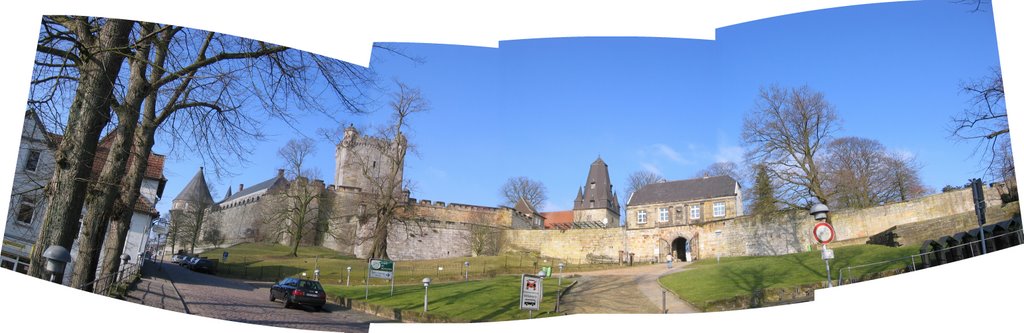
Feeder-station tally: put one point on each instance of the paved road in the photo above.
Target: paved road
(616, 291)
(210, 296)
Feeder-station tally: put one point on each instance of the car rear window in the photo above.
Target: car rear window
(312, 285)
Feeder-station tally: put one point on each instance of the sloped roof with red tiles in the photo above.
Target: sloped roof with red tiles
(557, 220)
(154, 164)
(143, 206)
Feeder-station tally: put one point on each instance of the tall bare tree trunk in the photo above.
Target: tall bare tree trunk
(100, 199)
(101, 63)
(125, 204)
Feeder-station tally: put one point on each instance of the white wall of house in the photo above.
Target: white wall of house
(25, 210)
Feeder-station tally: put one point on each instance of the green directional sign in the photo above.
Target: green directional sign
(382, 268)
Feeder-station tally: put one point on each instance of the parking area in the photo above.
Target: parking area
(211, 296)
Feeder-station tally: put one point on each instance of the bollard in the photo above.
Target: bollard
(664, 307)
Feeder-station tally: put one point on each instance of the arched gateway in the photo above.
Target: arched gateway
(682, 244)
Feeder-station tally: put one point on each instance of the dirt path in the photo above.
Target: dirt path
(617, 291)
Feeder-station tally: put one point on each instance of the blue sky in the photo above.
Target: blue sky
(546, 108)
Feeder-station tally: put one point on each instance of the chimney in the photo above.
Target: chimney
(241, 187)
(280, 173)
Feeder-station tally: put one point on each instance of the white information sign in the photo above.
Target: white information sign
(531, 292)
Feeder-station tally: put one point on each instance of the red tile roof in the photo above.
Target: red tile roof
(154, 164)
(557, 220)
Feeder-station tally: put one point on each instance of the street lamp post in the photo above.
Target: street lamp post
(439, 269)
(57, 257)
(348, 276)
(820, 213)
(124, 262)
(316, 274)
(467, 269)
(426, 287)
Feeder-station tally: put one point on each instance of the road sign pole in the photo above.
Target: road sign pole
(367, 281)
(828, 270)
(393, 265)
(978, 191)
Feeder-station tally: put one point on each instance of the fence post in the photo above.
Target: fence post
(913, 264)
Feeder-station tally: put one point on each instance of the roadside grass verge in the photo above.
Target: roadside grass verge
(494, 299)
(707, 280)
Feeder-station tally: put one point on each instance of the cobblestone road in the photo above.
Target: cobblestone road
(623, 290)
(210, 296)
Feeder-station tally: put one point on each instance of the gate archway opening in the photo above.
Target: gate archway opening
(681, 249)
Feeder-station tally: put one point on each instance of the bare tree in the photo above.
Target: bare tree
(640, 179)
(194, 86)
(90, 53)
(984, 122)
(728, 168)
(381, 164)
(483, 238)
(787, 132)
(212, 233)
(861, 173)
(531, 190)
(904, 171)
(857, 173)
(294, 212)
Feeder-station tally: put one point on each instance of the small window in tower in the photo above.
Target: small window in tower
(591, 203)
(374, 164)
(593, 185)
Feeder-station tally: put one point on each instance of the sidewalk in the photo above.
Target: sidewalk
(155, 290)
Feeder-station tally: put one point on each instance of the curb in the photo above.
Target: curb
(167, 278)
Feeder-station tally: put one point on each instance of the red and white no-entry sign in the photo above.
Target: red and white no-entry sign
(823, 232)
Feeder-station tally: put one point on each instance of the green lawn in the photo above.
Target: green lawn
(708, 280)
(493, 299)
(271, 262)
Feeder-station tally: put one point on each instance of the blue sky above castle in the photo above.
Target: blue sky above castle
(546, 108)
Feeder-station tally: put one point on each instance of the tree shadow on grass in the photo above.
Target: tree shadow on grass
(751, 280)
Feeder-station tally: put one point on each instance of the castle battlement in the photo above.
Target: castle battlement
(458, 206)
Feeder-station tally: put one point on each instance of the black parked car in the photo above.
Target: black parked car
(295, 291)
(203, 265)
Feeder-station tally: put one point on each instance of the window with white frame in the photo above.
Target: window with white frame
(662, 214)
(718, 209)
(641, 217)
(694, 212)
(26, 209)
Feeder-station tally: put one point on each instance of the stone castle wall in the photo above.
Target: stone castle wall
(746, 235)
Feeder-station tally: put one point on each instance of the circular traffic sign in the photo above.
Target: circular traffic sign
(823, 232)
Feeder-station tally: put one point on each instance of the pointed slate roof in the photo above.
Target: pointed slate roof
(525, 207)
(685, 190)
(196, 191)
(228, 195)
(598, 188)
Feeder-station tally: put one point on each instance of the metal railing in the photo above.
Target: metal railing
(920, 257)
(116, 283)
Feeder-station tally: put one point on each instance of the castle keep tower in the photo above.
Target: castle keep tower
(360, 160)
(596, 202)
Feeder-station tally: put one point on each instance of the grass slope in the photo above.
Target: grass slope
(707, 280)
(271, 262)
(476, 300)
